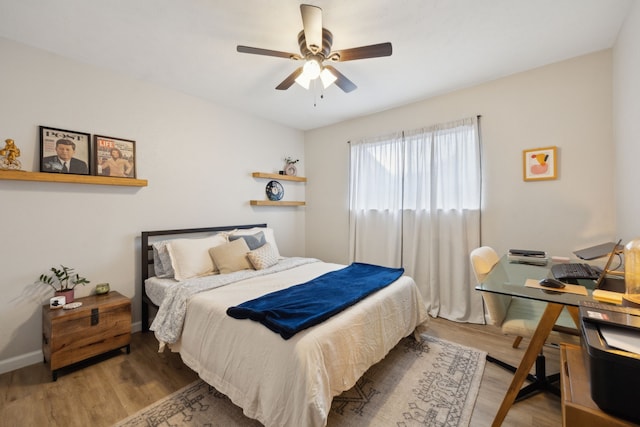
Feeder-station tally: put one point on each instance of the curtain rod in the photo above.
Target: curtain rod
(478, 116)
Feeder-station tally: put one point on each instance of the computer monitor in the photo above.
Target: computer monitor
(598, 251)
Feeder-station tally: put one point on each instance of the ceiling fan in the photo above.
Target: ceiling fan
(315, 48)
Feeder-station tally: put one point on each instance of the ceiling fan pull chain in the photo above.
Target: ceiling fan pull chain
(315, 93)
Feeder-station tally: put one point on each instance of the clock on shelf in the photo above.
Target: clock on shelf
(274, 190)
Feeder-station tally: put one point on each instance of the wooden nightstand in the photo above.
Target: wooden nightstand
(101, 324)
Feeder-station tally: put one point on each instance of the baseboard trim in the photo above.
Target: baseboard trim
(17, 362)
(21, 361)
(136, 327)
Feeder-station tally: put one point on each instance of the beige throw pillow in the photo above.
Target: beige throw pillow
(263, 257)
(231, 256)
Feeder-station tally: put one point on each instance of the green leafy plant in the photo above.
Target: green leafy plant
(62, 279)
(289, 159)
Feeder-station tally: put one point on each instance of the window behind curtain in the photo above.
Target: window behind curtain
(430, 168)
(415, 203)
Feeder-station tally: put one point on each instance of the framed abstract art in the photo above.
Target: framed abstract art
(540, 164)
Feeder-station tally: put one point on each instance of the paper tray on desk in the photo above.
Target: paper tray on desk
(569, 288)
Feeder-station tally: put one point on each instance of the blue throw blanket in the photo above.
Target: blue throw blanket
(291, 310)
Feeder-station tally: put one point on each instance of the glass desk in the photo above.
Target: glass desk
(508, 278)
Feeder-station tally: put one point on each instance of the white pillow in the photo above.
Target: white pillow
(268, 235)
(190, 257)
(263, 257)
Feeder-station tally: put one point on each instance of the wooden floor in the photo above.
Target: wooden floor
(113, 387)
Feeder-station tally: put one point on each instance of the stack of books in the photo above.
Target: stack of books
(525, 256)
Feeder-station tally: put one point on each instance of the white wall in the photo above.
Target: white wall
(197, 158)
(567, 105)
(626, 113)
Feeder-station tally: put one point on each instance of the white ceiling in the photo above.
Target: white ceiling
(438, 45)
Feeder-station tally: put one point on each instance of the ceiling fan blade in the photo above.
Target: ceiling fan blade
(291, 79)
(341, 81)
(267, 52)
(312, 25)
(364, 52)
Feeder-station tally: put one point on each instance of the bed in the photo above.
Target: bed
(279, 382)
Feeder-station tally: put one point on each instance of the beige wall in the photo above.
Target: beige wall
(197, 157)
(626, 113)
(567, 105)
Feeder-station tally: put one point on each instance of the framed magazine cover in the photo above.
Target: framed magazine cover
(64, 151)
(114, 156)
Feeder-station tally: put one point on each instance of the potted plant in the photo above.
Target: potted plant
(63, 281)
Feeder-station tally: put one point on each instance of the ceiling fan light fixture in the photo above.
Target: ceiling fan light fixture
(315, 43)
(327, 78)
(303, 80)
(312, 68)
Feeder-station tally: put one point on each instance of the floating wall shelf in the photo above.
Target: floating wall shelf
(279, 177)
(70, 178)
(275, 203)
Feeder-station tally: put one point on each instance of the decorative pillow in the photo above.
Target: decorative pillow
(162, 260)
(254, 241)
(268, 235)
(263, 257)
(190, 257)
(231, 256)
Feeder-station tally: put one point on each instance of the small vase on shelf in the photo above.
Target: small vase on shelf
(290, 166)
(290, 169)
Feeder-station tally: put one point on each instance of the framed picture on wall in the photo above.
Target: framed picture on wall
(114, 156)
(540, 164)
(64, 151)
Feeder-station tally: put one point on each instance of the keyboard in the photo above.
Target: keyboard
(575, 271)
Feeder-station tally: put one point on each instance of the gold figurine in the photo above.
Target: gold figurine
(11, 154)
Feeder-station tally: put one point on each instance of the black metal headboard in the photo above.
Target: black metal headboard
(146, 257)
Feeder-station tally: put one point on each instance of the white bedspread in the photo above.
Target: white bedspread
(167, 325)
(292, 382)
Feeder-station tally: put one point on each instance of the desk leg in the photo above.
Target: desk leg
(575, 315)
(548, 319)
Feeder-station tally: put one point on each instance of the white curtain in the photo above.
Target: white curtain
(415, 203)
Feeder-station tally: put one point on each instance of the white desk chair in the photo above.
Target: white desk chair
(519, 317)
(482, 261)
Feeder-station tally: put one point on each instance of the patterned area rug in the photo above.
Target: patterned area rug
(432, 383)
